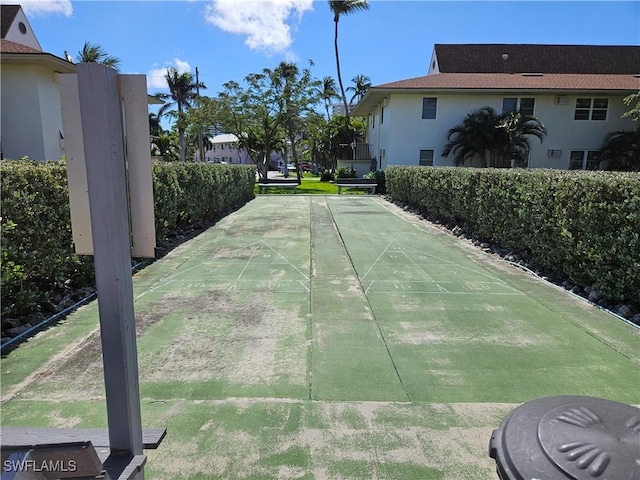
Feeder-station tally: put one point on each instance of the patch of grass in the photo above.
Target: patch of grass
(311, 185)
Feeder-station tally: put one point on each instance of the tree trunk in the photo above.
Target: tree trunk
(344, 97)
(181, 144)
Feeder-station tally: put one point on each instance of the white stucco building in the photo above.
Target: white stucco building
(223, 148)
(31, 120)
(575, 91)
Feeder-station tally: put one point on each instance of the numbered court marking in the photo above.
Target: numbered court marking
(443, 277)
(281, 286)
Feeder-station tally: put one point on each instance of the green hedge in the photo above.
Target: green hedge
(582, 226)
(38, 263)
(190, 193)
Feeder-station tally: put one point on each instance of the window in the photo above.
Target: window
(523, 105)
(584, 160)
(426, 158)
(381, 115)
(591, 109)
(429, 106)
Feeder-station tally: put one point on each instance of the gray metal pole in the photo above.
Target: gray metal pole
(200, 148)
(101, 114)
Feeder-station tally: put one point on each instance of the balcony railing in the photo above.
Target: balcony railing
(355, 151)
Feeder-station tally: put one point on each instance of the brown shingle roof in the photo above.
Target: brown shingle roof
(585, 59)
(506, 81)
(7, 15)
(7, 46)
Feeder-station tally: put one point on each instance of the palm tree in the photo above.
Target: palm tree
(182, 92)
(327, 92)
(339, 8)
(362, 85)
(93, 53)
(621, 150)
(498, 139)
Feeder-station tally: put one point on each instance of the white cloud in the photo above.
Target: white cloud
(46, 7)
(155, 77)
(264, 22)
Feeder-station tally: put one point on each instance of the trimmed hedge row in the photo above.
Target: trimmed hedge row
(190, 193)
(582, 226)
(38, 263)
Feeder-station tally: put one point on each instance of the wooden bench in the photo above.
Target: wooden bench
(47, 453)
(278, 183)
(368, 183)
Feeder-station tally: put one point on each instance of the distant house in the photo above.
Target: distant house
(31, 120)
(576, 91)
(223, 148)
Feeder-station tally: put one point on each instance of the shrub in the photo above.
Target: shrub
(583, 226)
(379, 176)
(345, 171)
(38, 262)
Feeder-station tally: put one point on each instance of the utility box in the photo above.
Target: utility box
(568, 437)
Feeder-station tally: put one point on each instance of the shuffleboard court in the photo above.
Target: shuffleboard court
(333, 337)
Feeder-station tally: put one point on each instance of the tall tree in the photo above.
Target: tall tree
(252, 113)
(340, 8)
(93, 53)
(496, 139)
(297, 92)
(362, 84)
(268, 109)
(621, 150)
(632, 101)
(327, 92)
(182, 92)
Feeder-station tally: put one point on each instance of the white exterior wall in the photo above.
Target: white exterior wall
(226, 152)
(404, 133)
(31, 116)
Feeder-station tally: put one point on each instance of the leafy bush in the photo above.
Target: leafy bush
(38, 262)
(583, 226)
(379, 176)
(189, 193)
(345, 171)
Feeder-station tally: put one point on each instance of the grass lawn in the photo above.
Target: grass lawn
(311, 185)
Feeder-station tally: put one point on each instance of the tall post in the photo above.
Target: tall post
(200, 148)
(101, 115)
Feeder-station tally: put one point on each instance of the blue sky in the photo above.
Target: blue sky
(393, 40)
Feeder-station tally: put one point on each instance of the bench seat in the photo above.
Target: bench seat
(278, 183)
(368, 183)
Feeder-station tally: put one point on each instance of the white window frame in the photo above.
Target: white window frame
(587, 158)
(420, 159)
(592, 109)
(519, 104)
(435, 109)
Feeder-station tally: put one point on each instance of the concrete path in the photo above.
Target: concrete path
(329, 337)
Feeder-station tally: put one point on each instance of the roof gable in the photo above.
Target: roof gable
(526, 58)
(16, 27)
(7, 16)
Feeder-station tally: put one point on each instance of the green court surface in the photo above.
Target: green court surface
(329, 337)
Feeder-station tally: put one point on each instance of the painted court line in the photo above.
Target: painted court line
(376, 260)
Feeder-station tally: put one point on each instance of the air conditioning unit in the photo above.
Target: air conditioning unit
(561, 100)
(554, 153)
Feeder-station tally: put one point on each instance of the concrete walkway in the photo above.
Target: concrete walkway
(329, 337)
